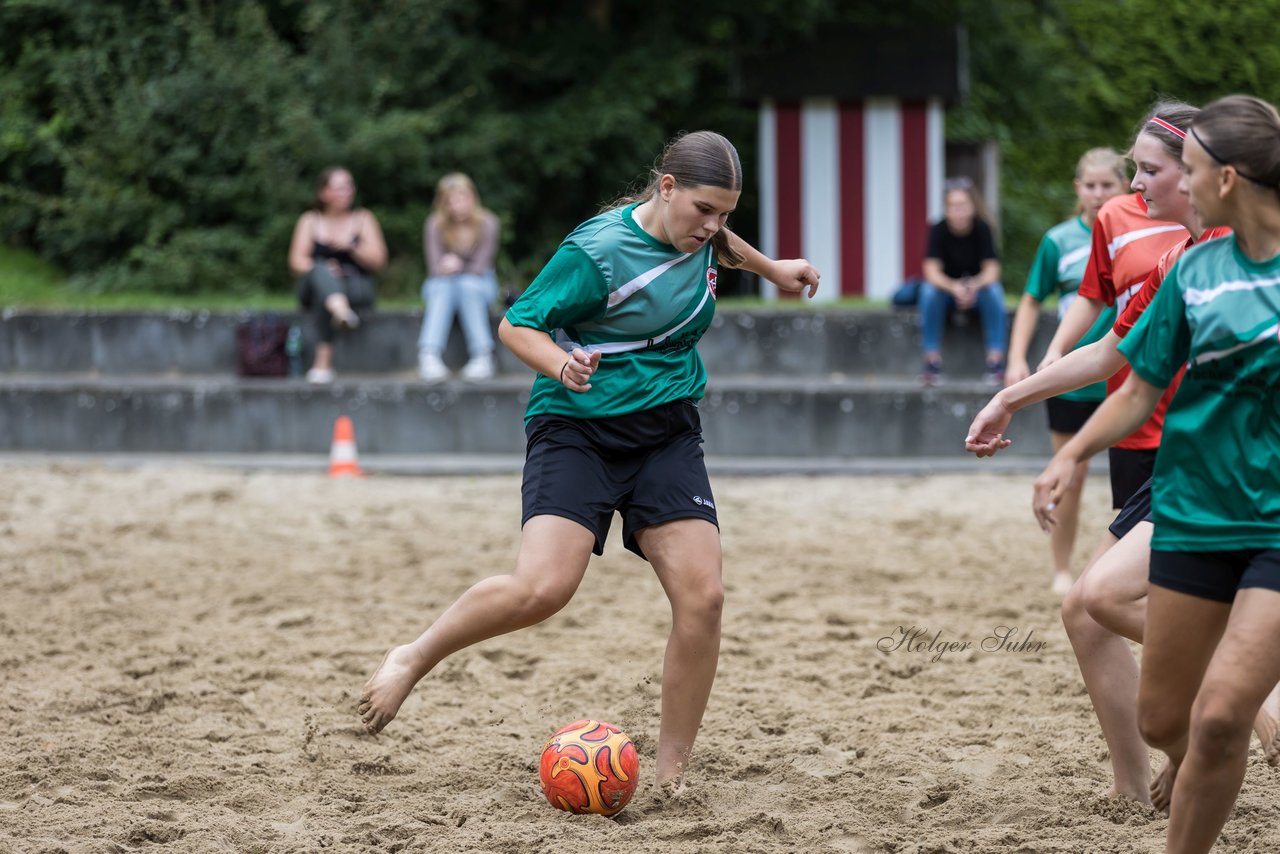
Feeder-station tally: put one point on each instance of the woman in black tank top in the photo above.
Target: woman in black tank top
(335, 251)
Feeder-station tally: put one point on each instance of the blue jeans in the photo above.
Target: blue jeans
(467, 295)
(936, 304)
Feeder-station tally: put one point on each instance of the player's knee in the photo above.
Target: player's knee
(1096, 597)
(1218, 726)
(1160, 726)
(1075, 617)
(703, 603)
(545, 597)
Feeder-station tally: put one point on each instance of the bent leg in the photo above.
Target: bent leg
(475, 293)
(1116, 593)
(685, 555)
(1062, 537)
(935, 304)
(995, 321)
(1110, 674)
(315, 289)
(439, 293)
(1243, 671)
(1181, 634)
(552, 560)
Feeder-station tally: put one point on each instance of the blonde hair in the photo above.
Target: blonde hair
(1101, 158)
(458, 236)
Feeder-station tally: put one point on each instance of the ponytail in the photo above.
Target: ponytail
(699, 159)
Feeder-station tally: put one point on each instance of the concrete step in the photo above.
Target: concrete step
(790, 342)
(743, 415)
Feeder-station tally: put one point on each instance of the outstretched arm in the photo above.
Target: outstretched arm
(1024, 327)
(1082, 314)
(793, 276)
(1077, 369)
(1118, 416)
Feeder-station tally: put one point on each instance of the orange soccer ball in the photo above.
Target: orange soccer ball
(589, 766)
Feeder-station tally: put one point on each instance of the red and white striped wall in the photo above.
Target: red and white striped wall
(852, 187)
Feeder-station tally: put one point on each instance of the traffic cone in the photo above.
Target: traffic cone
(342, 454)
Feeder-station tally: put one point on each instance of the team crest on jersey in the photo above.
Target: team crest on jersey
(711, 280)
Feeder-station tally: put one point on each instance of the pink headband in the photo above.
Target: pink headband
(1170, 128)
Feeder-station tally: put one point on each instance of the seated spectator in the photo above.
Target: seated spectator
(335, 251)
(460, 239)
(962, 271)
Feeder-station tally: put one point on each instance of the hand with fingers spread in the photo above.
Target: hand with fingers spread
(576, 373)
(1050, 486)
(986, 433)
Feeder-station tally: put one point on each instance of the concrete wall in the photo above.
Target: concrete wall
(783, 384)
(793, 343)
(748, 417)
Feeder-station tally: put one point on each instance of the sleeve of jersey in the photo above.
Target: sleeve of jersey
(1138, 304)
(1043, 277)
(1097, 283)
(569, 290)
(1161, 339)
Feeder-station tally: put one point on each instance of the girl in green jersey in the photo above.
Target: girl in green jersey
(611, 326)
(1213, 613)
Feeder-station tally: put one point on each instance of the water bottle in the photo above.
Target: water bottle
(293, 350)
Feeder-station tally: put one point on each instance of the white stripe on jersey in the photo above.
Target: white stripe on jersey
(1214, 355)
(1130, 236)
(1200, 296)
(1122, 298)
(640, 281)
(1067, 261)
(627, 346)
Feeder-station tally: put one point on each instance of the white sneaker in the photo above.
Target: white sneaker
(479, 368)
(431, 368)
(319, 376)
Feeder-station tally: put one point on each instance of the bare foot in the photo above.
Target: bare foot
(1267, 726)
(1062, 582)
(388, 687)
(1162, 787)
(1114, 794)
(673, 789)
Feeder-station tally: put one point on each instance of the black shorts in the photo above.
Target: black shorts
(647, 465)
(1129, 470)
(1216, 575)
(1136, 509)
(1068, 416)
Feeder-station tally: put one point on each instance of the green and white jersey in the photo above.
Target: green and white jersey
(1058, 267)
(642, 304)
(1217, 473)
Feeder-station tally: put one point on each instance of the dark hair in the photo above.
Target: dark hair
(700, 159)
(1242, 131)
(322, 181)
(1175, 113)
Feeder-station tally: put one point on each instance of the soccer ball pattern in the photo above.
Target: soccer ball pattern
(589, 767)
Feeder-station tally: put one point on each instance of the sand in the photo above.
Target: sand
(181, 650)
